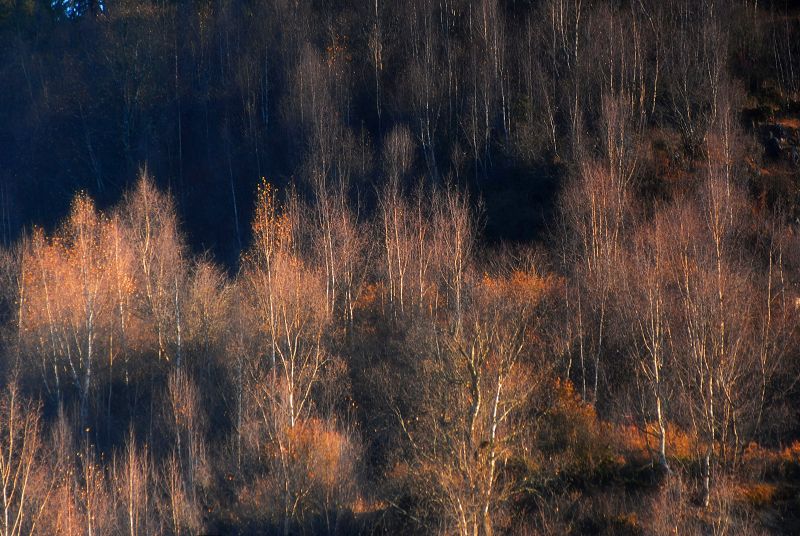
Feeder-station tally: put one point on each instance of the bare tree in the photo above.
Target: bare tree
(207, 311)
(454, 229)
(188, 460)
(714, 302)
(135, 472)
(649, 309)
(285, 295)
(94, 501)
(596, 205)
(151, 229)
(597, 208)
(70, 277)
(472, 384)
(20, 429)
(397, 240)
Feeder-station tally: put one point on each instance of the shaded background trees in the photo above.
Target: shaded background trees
(214, 96)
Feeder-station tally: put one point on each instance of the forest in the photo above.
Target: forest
(469, 267)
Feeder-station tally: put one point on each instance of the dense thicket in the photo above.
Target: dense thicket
(492, 267)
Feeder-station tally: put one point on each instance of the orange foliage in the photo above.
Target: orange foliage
(337, 52)
(567, 401)
(789, 122)
(759, 494)
(640, 444)
(322, 449)
(523, 286)
(574, 434)
(791, 454)
(369, 296)
(271, 228)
